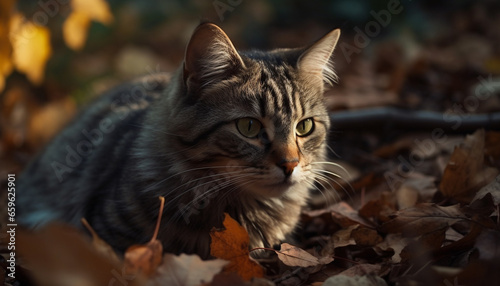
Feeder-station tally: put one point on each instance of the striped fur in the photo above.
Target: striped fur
(177, 137)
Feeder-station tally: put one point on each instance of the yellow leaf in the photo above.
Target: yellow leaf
(76, 26)
(97, 10)
(6, 8)
(30, 47)
(75, 30)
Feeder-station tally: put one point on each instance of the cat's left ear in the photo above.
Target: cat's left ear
(210, 57)
(316, 60)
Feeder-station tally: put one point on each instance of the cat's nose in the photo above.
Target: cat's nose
(288, 167)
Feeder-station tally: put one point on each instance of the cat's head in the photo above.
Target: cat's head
(255, 118)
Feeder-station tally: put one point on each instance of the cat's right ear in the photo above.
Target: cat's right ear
(210, 57)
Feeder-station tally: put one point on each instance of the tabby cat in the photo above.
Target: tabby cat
(236, 132)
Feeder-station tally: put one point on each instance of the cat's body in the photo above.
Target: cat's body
(228, 132)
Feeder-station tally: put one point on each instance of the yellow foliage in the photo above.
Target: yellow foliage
(6, 8)
(76, 26)
(30, 47)
(75, 30)
(26, 46)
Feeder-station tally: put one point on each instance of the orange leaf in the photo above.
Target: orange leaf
(145, 259)
(232, 244)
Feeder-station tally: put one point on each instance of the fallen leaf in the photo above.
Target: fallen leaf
(294, 256)
(345, 215)
(61, 255)
(344, 237)
(465, 172)
(365, 236)
(395, 242)
(227, 279)
(492, 148)
(186, 270)
(100, 245)
(145, 259)
(492, 188)
(232, 244)
(379, 209)
(422, 219)
(30, 47)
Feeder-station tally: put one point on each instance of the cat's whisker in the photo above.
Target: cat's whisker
(327, 181)
(156, 184)
(335, 165)
(318, 189)
(209, 192)
(333, 177)
(174, 200)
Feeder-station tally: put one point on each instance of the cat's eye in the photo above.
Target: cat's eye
(305, 127)
(249, 127)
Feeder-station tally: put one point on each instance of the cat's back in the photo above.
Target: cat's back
(88, 156)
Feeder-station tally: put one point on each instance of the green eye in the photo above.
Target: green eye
(249, 127)
(305, 127)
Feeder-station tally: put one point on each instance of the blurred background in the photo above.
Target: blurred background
(56, 55)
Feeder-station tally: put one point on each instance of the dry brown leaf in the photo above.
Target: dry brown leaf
(30, 47)
(422, 219)
(345, 215)
(232, 244)
(294, 256)
(397, 243)
(493, 189)
(465, 172)
(145, 259)
(228, 279)
(492, 148)
(343, 237)
(379, 209)
(186, 270)
(62, 255)
(365, 236)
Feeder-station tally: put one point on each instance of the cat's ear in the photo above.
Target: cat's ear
(210, 57)
(316, 60)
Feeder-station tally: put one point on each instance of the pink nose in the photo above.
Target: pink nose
(288, 167)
